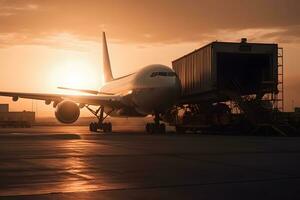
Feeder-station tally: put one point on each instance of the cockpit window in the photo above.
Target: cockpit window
(162, 74)
(154, 74)
(171, 74)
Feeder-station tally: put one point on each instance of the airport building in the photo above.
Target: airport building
(15, 119)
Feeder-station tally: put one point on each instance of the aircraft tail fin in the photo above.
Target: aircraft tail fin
(106, 62)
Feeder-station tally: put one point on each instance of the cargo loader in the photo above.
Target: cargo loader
(234, 87)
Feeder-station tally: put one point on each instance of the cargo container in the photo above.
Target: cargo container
(246, 68)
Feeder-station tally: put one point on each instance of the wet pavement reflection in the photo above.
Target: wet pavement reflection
(56, 165)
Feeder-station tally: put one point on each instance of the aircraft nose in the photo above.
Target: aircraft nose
(164, 97)
(159, 96)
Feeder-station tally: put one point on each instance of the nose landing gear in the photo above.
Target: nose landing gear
(101, 125)
(155, 127)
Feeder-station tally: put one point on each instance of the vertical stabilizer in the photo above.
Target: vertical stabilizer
(106, 62)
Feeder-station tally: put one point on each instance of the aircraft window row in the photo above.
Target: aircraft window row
(163, 74)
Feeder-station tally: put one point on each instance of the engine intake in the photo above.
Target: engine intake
(67, 112)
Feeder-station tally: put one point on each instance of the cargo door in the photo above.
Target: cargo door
(248, 71)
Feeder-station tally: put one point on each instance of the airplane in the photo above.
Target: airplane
(152, 90)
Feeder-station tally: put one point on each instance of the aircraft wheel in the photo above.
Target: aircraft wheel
(150, 128)
(104, 127)
(147, 128)
(162, 128)
(93, 127)
(107, 127)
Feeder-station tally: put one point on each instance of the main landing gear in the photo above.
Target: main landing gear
(101, 125)
(155, 127)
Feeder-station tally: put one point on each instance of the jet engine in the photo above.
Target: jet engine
(67, 112)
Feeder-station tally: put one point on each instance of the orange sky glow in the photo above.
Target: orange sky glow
(45, 44)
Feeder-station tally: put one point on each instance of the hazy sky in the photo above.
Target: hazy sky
(47, 43)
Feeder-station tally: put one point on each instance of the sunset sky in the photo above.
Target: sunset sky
(50, 43)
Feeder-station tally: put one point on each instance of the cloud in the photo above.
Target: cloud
(27, 7)
(290, 34)
(147, 21)
(64, 41)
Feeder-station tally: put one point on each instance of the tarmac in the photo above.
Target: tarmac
(69, 162)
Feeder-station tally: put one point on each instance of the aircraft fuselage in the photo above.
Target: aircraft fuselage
(155, 88)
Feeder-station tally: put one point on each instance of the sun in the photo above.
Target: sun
(75, 73)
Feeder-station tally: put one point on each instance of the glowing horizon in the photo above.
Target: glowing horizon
(43, 44)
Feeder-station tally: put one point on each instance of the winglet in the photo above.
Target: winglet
(106, 62)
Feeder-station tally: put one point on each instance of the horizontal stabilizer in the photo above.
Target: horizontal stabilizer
(80, 90)
(85, 91)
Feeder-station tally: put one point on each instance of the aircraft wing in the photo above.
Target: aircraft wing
(104, 100)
